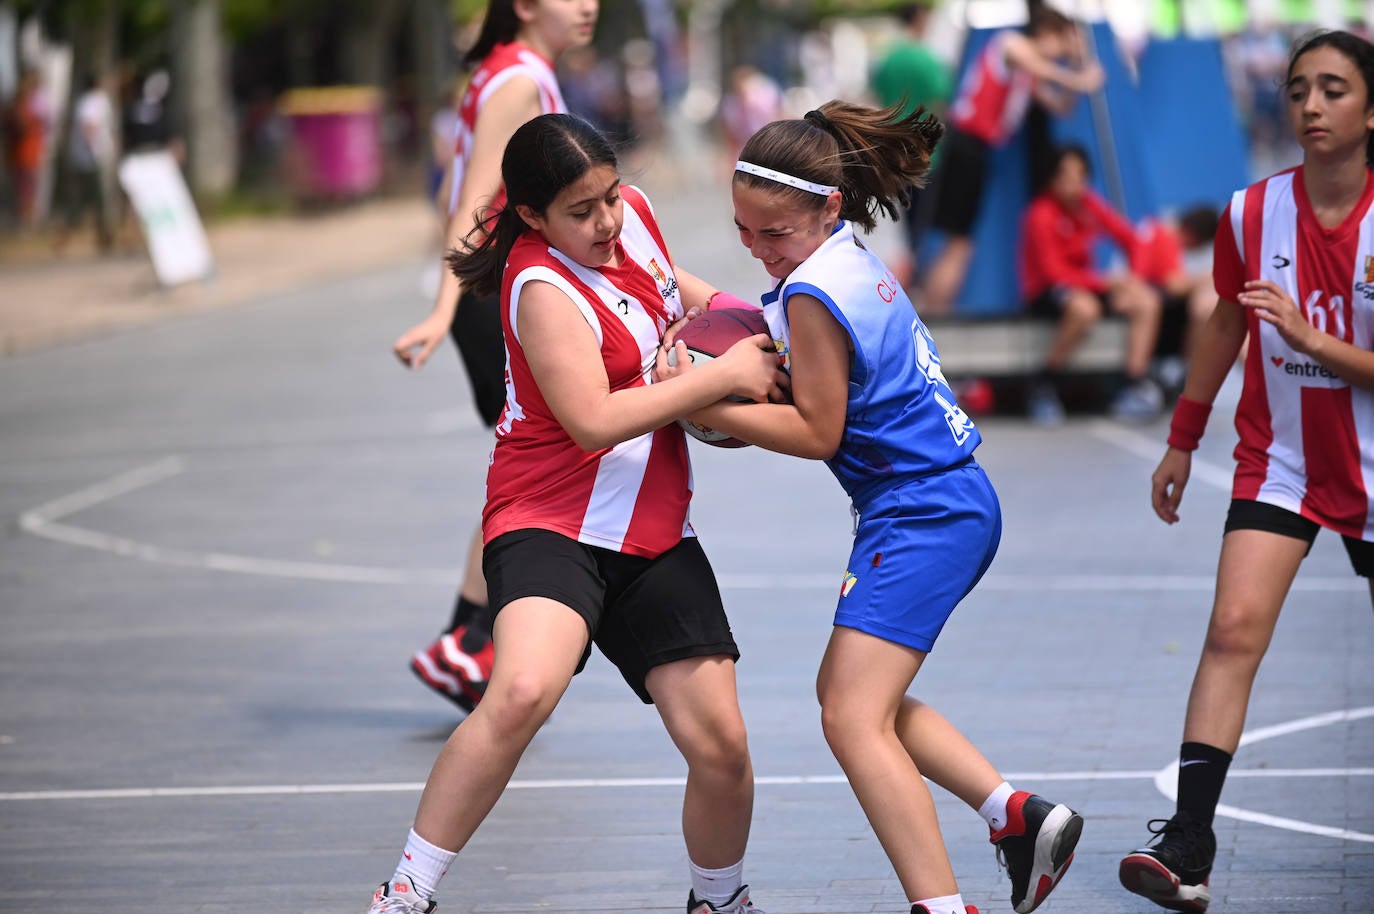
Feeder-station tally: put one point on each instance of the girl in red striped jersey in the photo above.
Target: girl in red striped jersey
(1294, 270)
(586, 529)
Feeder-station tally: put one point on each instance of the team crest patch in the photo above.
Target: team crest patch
(848, 583)
(657, 270)
(1369, 268)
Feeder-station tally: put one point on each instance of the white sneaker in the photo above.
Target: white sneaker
(398, 897)
(1044, 406)
(739, 903)
(1140, 402)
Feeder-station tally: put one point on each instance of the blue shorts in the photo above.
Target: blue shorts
(918, 551)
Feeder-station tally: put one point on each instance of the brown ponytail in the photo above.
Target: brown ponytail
(874, 155)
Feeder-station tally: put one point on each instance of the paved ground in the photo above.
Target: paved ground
(227, 532)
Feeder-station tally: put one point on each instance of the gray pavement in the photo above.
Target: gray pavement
(227, 533)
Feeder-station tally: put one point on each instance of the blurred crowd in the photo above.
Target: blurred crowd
(61, 160)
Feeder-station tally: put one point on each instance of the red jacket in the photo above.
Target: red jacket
(1057, 244)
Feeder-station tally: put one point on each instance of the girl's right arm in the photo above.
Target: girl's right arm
(1022, 52)
(502, 114)
(1215, 352)
(566, 362)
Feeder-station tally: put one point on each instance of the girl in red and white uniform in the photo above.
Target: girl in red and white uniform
(1294, 269)
(514, 81)
(989, 107)
(586, 529)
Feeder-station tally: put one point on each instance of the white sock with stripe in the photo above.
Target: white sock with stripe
(945, 904)
(423, 865)
(994, 808)
(717, 886)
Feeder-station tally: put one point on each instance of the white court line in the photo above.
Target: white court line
(150, 793)
(1151, 450)
(44, 521)
(1166, 781)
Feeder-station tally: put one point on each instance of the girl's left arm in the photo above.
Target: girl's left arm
(812, 424)
(694, 290)
(1274, 306)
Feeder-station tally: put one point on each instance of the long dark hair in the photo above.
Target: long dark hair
(545, 155)
(1355, 49)
(500, 26)
(874, 155)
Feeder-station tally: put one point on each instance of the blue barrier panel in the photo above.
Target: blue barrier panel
(1171, 142)
(1197, 146)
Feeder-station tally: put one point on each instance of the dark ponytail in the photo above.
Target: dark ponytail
(499, 26)
(1355, 49)
(873, 155)
(544, 155)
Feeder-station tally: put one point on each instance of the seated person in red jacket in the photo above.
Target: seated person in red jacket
(1176, 258)
(1059, 279)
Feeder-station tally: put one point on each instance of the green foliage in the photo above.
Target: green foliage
(466, 10)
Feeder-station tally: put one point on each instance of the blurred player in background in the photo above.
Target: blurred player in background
(989, 107)
(911, 74)
(515, 53)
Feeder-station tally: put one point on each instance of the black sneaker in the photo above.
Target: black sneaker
(922, 909)
(1036, 846)
(1174, 871)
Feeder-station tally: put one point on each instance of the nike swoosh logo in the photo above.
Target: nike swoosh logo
(1192, 761)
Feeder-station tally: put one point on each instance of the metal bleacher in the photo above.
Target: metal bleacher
(1015, 347)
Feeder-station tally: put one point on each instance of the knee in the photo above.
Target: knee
(842, 727)
(1234, 632)
(723, 755)
(1081, 308)
(522, 702)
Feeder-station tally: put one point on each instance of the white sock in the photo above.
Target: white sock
(423, 865)
(945, 904)
(994, 808)
(717, 886)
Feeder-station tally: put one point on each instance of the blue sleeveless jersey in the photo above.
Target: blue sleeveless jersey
(901, 420)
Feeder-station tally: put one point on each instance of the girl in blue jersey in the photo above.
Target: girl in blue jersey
(869, 399)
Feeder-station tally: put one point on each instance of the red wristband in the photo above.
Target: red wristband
(1189, 422)
(726, 300)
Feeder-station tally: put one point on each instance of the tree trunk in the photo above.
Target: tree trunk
(432, 32)
(368, 35)
(204, 106)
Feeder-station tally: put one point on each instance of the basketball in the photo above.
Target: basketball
(707, 337)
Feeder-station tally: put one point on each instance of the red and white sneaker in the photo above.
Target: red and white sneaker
(398, 897)
(460, 673)
(1036, 846)
(922, 909)
(430, 669)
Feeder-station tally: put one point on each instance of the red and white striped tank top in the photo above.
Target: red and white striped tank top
(1306, 436)
(993, 96)
(504, 63)
(633, 497)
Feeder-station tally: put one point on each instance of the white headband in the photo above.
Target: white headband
(824, 190)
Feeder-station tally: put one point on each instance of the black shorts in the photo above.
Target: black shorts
(476, 331)
(962, 176)
(1256, 515)
(641, 613)
(1050, 303)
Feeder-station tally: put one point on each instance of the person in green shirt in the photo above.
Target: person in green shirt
(910, 74)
